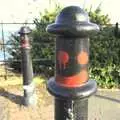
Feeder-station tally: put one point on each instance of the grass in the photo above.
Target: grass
(11, 97)
(15, 78)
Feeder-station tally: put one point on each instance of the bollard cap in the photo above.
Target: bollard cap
(72, 21)
(25, 30)
(72, 14)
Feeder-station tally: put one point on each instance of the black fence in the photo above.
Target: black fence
(6, 30)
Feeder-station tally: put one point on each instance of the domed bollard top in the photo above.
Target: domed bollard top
(72, 21)
(25, 30)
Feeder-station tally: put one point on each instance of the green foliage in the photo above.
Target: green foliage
(14, 51)
(96, 16)
(43, 45)
(104, 49)
(104, 58)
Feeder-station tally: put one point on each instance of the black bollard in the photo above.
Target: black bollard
(27, 70)
(71, 85)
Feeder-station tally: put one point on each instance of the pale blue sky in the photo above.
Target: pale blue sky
(26, 10)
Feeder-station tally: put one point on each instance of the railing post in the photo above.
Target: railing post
(116, 30)
(27, 70)
(71, 85)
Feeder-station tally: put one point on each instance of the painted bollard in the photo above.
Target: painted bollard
(27, 70)
(71, 85)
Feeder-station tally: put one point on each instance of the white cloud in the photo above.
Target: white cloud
(22, 10)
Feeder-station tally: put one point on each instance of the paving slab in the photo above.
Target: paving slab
(105, 105)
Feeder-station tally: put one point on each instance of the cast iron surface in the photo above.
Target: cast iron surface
(72, 27)
(71, 46)
(27, 69)
(72, 21)
(80, 92)
(71, 109)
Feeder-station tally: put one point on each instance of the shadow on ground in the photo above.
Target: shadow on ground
(12, 97)
(19, 99)
(108, 98)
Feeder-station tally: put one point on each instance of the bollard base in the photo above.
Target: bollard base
(81, 92)
(71, 103)
(30, 97)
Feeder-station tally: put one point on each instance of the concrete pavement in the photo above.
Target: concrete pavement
(105, 105)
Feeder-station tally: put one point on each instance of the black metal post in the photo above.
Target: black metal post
(71, 85)
(27, 70)
(117, 30)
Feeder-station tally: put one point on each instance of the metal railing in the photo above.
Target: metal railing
(6, 30)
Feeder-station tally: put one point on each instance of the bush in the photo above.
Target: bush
(104, 58)
(43, 45)
(104, 49)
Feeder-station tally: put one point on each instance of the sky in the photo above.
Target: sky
(27, 10)
(20, 11)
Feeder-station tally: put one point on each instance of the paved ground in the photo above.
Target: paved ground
(105, 105)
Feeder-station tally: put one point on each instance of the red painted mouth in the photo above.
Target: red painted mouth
(73, 81)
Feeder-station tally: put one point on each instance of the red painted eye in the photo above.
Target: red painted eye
(82, 57)
(63, 58)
